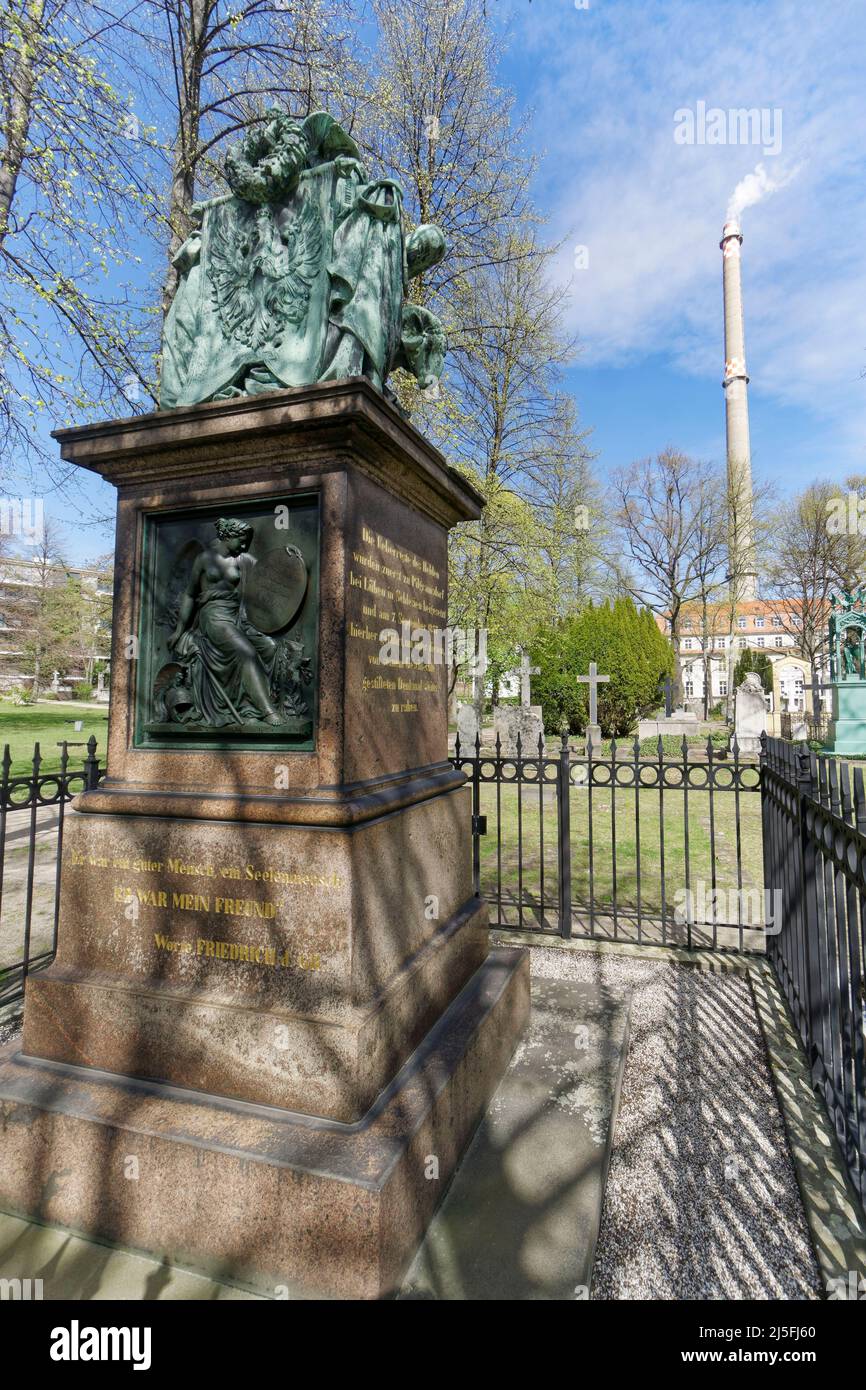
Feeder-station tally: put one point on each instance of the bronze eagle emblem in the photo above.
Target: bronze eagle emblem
(262, 265)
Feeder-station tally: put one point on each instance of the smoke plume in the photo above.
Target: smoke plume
(753, 188)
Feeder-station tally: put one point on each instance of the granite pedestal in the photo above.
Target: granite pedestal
(260, 934)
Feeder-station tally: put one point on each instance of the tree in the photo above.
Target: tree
(48, 614)
(495, 574)
(437, 120)
(756, 661)
(519, 434)
(624, 642)
(73, 186)
(569, 515)
(221, 66)
(671, 513)
(807, 559)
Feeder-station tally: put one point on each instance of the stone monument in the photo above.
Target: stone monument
(524, 719)
(272, 988)
(847, 642)
(593, 680)
(468, 727)
(750, 714)
(677, 722)
(102, 690)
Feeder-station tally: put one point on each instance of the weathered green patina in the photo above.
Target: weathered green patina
(847, 643)
(299, 275)
(229, 628)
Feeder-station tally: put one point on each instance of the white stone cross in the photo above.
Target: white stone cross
(525, 672)
(593, 680)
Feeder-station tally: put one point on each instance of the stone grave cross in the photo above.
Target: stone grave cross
(593, 680)
(525, 672)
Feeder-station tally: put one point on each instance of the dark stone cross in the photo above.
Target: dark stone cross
(669, 697)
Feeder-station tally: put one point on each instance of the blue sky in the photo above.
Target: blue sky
(604, 83)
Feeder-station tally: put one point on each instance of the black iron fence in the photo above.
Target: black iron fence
(32, 809)
(814, 824)
(620, 845)
(610, 844)
(816, 727)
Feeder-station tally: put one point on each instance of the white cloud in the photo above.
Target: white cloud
(651, 210)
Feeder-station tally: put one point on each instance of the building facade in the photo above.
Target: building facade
(709, 649)
(25, 586)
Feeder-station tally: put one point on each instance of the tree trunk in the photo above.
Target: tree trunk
(193, 42)
(15, 135)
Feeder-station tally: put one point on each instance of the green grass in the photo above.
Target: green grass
(712, 853)
(47, 723)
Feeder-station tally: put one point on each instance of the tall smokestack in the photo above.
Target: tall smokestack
(742, 537)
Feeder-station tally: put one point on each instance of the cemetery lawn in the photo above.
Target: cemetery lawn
(712, 859)
(47, 723)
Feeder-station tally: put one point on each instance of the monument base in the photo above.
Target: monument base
(847, 734)
(270, 1198)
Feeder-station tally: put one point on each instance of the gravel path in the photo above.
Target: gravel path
(701, 1200)
(9, 1028)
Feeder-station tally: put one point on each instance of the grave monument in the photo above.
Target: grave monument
(847, 643)
(750, 714)
(679, 722)
(524, 719)
(593, 728)
(273, 1021)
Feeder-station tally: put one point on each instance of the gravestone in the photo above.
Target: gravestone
(679, 722)
(468, 727)
(750, 714)
(593, 680)
(102, 695)
(524, 720)
(272, 983)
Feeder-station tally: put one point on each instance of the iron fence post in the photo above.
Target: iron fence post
(809, 888)
(91, 766)
(476, 815)
(563, 809)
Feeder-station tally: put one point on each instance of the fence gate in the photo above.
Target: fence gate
(622, 847)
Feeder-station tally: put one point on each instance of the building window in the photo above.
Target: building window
(723, 687)
(690, 689)
(741, 622)
(687, 624)
(777, 621)
(759, 641)
(741, 642)
(780, 641)
(759, 622)
(688, 643)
